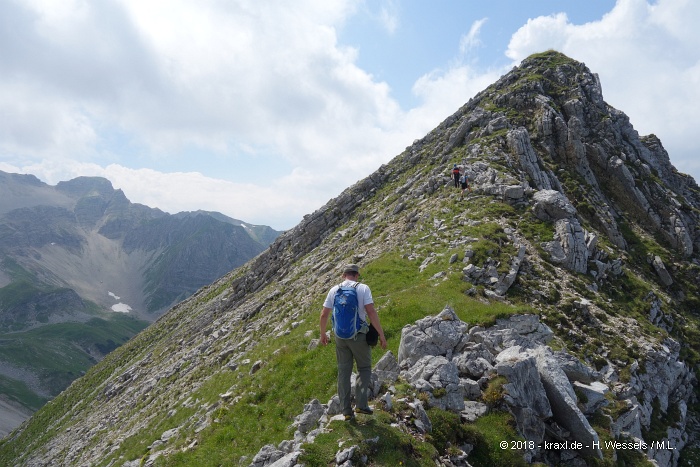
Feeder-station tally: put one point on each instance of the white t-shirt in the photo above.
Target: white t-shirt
(364, 297)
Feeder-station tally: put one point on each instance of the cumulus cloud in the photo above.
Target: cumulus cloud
(162, 81)
(275, 204)
(176, 73)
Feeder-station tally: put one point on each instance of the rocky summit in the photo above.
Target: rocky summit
(548, 316)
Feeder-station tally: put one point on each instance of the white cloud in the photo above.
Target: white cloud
(177, 73)
(471, 40)
(648, 59)
(440, 90)
(280, 204)
(172, 80)
(389, 16)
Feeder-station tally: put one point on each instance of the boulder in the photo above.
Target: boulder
(345, 455)
(513, 194)
(267, 456)
(472, 389)
(572, 239)
(438, 377)
(551, 205)
(308, 419)
(574, 369)
(508, 279)
(422, 421)
(387, 368)
(433, 335)
(562, 399)
(334, 407)
(661, 271)
(523, 330)
(525, 393)
(591, 396)
(473, 410)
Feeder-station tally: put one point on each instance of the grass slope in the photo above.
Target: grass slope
(59, 353)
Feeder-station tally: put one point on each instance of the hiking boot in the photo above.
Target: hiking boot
(349, 418)
(366, 410)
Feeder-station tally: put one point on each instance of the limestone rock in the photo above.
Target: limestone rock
(661, 271)
(387, 368)
(574, 369)
(519, 143)
(267, 456)
(345, 455)
(308, 420)
(473, 410)
(526, 395)
(562, 399)
(433, 335)
(422, 420)
(506, 281)
(592, 396)
(440, 378)
(551, 205)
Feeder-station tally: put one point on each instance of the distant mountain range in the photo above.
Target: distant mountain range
(82, 269)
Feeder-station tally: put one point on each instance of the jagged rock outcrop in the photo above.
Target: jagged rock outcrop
(521, 147)
(543, 386)
(550, 394)
(570, 246)
(537, 389)
(525, 393)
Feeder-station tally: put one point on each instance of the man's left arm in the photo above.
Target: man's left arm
(374, 319)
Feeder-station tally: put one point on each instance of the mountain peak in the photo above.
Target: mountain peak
(86, 186)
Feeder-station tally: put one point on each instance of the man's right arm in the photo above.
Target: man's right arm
(325, 313)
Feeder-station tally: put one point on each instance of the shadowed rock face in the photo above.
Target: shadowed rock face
(569, 210)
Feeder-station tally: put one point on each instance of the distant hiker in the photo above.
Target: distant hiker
(464, 183)
(351, 308)
(455, 175)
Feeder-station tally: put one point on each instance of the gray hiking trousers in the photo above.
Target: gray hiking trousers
(348, 351)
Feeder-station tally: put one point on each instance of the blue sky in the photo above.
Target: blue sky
(264, 110)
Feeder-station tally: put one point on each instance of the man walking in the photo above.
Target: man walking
(354, 349)
(455, 175)
(464, 182)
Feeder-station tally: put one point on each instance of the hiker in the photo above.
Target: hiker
(353, 348)
(455, 175)
(464, 182)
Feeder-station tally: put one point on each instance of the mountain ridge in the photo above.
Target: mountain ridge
(81, 251)
(570, 220)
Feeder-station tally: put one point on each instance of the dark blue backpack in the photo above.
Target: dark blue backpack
(346, 318)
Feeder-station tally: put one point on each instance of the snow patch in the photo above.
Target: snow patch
(119, 307)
